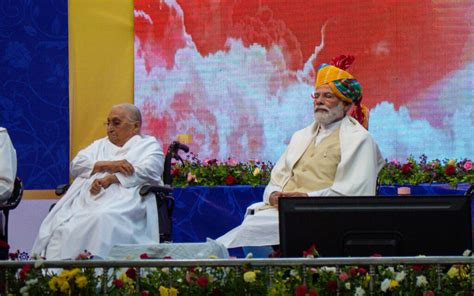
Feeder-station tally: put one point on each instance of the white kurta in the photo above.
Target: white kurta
(117, 215)
(356, 175)
(7, 165)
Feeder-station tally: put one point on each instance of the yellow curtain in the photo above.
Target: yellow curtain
(100, 65)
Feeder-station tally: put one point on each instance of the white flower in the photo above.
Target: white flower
(165, 269)
(328, 269)
(359, 292)
(467, 253)
(400, 276)
(391, 269)
(347, 285)
(39, 262)
(31, 282)
(249, 256)
(421, 281)
(293, 272)
(385, 285)
(24, 291)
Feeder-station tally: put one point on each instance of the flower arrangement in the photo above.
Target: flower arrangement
(436, 171)
(244, 280)
(212, 172)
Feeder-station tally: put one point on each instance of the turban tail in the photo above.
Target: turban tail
(346, 88)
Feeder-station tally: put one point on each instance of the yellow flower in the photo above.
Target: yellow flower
(65, 274)
(453, 272)
(464, 272)
(250, 276)
(173, 292)
(212, 257)
(367, 278)
(74, 272)
(452, 162)
(64, 287)
(256, 171)
(164, 291)
(81, 281)
(53, 282)
(393, 284)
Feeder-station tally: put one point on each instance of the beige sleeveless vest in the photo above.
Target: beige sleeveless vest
(316, 169)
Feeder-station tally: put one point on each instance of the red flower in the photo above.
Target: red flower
(313, 292)
(264, 167)
(144, 293)
(429, 293)
(311, 251)
(376, 255)
(175, 172)
(354, 271)
(144, 256)
(449, 170)
(229, 180)
(131, 273)
(332, 285)
(167, 257)
(13, 256)
(202, 281)
(24, 271)
(417, 267)
(362, 270)
(216, 292)
(117, 283)
(406, 168)
(300, 290)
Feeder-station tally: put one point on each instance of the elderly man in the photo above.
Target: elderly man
(7, 165)
(103, 206)
(334, 156)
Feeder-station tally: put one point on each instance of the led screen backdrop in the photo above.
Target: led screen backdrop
(237, 75)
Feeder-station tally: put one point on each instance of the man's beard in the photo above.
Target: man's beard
(331, 116)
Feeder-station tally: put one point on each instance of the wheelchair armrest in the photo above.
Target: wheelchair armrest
(61, 189)
(155, 189)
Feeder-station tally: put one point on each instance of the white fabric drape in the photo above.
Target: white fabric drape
(356, 175)
(117, 215)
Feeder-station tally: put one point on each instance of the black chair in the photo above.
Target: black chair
(11, 204)
(163, 194)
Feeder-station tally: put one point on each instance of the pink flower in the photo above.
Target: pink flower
(429, 293)
(343, 276)
(467, 166)
(395, 162)
(232, 162)
(190, 177)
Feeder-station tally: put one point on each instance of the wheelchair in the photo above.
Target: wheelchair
(163, 194)
(11, 204)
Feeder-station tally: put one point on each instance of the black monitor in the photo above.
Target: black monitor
(363, 226)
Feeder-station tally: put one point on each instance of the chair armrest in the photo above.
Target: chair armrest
(155, 189)
(61, 189)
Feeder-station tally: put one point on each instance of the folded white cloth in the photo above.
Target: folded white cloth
(173, 250)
